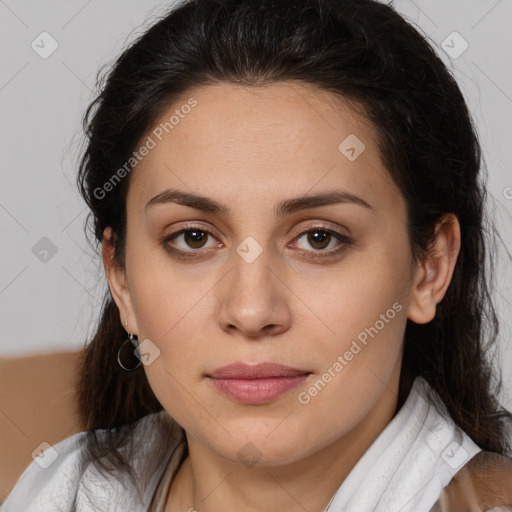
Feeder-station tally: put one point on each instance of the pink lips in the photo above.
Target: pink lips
(256, 384)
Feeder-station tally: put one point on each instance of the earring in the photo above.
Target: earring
(132, 342)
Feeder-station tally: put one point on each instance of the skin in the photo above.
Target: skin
(250, 148)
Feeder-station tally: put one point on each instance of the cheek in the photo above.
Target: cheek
(168, 312)
(364, 308)
(173, 308)
(366, 292)
(171, 317)
(174, 393)
(161, 292)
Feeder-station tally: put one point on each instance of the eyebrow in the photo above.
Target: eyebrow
(284, 207)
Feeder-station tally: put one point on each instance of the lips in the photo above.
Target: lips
(258, 371)
(256, 384)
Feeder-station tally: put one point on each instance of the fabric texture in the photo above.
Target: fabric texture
(404, 470)
(71, 483)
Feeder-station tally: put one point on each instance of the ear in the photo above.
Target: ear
(434, 273)
(117, 282)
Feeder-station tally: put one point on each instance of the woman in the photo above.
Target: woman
(290, 209)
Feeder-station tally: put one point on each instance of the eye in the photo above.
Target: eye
(191, 238)
(321, 239)
(188, 241)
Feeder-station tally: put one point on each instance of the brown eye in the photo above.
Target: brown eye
(188, 242)
(195, 238)
(319, 239)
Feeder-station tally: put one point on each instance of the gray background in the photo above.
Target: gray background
(50, 301)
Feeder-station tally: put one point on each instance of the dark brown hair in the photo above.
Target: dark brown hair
(363, 51)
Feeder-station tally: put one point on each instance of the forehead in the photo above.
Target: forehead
(276, 140)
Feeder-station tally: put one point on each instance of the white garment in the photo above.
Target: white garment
(70, 485)
(404, 470)
(408, 465)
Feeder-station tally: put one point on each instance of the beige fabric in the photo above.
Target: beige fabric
(485, 483)
(37, 403)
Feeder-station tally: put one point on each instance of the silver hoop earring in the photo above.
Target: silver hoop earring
(132, 342)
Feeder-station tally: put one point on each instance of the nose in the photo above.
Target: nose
(253, 298)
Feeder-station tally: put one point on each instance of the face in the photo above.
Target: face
(321, 286)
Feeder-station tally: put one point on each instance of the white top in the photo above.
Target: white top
(404, 469)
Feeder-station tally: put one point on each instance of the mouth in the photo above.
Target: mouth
(256, 384)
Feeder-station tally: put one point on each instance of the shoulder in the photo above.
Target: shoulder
(50, 480)
(483, 484)
(64, 479)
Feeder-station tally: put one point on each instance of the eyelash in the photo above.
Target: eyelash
(178, 253)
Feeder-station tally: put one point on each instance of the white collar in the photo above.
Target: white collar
(411, 461)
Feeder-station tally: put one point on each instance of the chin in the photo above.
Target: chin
(255, 447)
